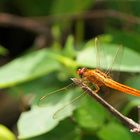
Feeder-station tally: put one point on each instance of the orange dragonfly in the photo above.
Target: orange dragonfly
(99, 78)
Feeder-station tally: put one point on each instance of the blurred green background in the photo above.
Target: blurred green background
(42, 44)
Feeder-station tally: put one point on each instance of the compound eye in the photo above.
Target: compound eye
(80, 72)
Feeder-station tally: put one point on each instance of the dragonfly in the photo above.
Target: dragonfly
(102, 79)
(99, 79)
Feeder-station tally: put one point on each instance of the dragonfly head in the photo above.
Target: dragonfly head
(81, 71)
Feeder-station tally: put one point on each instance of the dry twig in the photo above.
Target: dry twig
(23, 22)
(101, 13)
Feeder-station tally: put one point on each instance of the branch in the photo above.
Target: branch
(23, 22)
(35, 24)
(132, 125)
(101, 13)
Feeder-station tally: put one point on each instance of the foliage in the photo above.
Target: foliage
(47, 65)
(6, 134)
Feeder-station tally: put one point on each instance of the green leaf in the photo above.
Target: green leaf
(90, 115)
(90, 137)
(129, 39)
(38, 87)
(28, 67)
(133, 101)
(134, 82)
(69, 50)
(88, 57)
(130, 105)
(41, 117)
(66, 130)
(42, 114)
(135, 136)
(6, 134)
(114, 131)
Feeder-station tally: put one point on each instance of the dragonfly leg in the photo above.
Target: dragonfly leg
(97, 88)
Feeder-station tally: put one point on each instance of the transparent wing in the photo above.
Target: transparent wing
(101, 61)
(47, 95)
(97, 53)
(68, 107)
(116, 63)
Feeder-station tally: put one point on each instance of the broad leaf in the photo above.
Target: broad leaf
(88, 57)
(66, 130)
(114, 131)
(6, 134)
(41, 117)
(90, 115)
